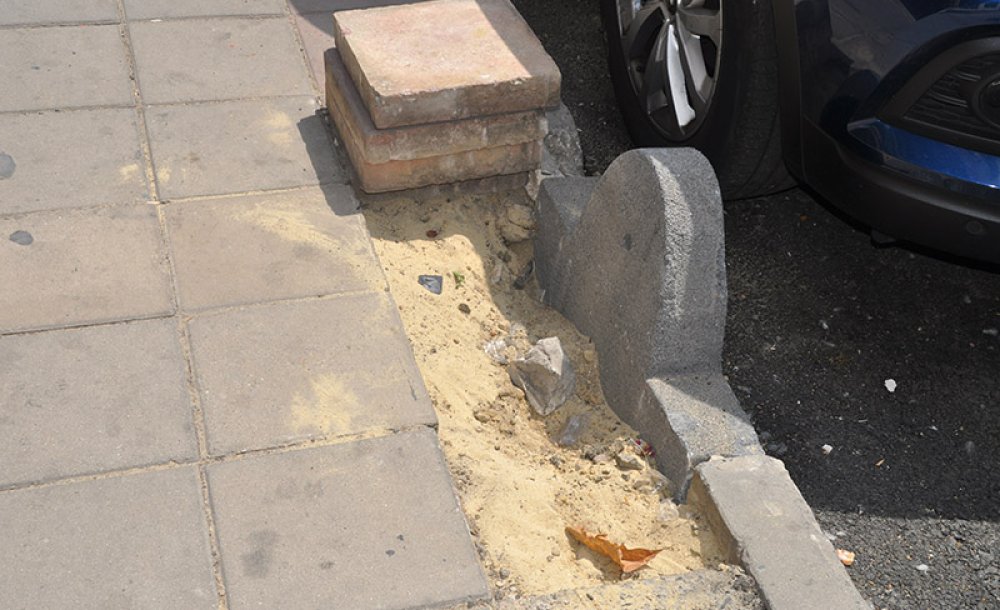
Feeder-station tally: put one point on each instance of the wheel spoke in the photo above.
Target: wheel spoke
(701, 21)
(678, 81)
(696, 78)
(654, 77)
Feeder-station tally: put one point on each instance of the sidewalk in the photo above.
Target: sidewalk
(207, 399)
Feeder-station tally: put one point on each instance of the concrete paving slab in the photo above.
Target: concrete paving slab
(316, 31)
(19, 12)
(74, 158)
(368, 524)
(255, 248)
(82, 267)
(402, 60)
(166, 9)
(217, 59)
(63, 68)
(92, 400)
(287, 372)
(138, 541)
(239, 146)
(764, 523)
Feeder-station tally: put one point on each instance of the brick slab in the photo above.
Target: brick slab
(63, 68)
(128, 542)
(445, 59)
(286, 372)
(443, 169)
(25, 12)
(238, 146)
(82, 266)
(217, 59)
(266, 247)
(421, 141)
(89, 400)
(364, 525)
(70, 159)
(160, 9)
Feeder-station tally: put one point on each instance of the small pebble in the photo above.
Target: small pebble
(462, 307)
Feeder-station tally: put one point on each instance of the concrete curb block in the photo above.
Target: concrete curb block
(636, 260)
(768, 528)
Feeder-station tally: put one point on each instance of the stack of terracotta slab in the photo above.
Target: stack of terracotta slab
(438, 92)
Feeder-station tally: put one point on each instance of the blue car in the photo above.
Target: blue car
(890, 109)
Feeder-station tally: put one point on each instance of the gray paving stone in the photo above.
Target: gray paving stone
(316, 30)
(368, 524)
(73, 158)
(330, 6)
(24, 12)
(159, 9)
(81, 266)
(82, 401)
(216, 59)
(254, 248)
(239, 146)
(127, 542)
(63, 68)
(285, 372)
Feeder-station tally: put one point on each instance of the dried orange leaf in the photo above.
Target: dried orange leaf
(845, 557)
(629, 560)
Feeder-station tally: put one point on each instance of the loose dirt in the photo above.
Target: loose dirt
(519, 488)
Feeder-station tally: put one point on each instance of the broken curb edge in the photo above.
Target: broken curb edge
(636, 259)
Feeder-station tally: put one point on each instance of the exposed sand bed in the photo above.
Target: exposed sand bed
(518, 487)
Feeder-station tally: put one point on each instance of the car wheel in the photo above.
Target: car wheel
(701, 73)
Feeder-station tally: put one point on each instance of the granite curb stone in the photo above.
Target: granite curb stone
(767, 526)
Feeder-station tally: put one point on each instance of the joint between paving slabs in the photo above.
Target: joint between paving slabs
(303, 54)
(133, 74)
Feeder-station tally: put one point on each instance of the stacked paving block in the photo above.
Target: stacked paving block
(438, 92)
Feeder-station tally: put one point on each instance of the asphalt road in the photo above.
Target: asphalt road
(819, 320)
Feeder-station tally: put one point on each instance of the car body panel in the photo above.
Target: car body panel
(841, 62)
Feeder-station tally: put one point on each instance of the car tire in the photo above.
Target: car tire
(736, 125)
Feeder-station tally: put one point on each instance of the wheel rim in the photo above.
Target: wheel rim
(672, 50)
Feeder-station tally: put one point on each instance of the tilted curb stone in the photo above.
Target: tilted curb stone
(766, 525)
(636, 260)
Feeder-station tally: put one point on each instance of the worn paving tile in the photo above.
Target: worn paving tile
(159, 9)
(63, 67)
(217, 59)
(74, 158)
(255, 248)
(239, 146)
(285, 372)
(91, 400)
(138, 541)
(24, 12)
(316, 30)
(81, 266)
(368, 524)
